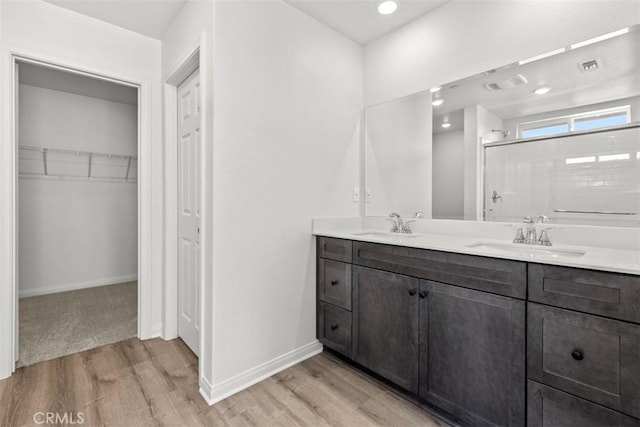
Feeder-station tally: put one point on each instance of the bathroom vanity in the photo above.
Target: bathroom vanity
(487, 339)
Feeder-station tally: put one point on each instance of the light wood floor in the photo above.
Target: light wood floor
(155, 382)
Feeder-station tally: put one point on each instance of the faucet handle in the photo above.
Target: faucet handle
(394, 215)
(419, 215)
(406, 228)
(543, 219)
(519, 236)
(528, 220)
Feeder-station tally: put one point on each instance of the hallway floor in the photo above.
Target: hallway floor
(63, 323)
(155, 382)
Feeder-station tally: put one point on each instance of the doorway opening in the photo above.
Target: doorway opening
(77, 210)
(184, 112)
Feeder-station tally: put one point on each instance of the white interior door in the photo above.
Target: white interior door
(189, 137)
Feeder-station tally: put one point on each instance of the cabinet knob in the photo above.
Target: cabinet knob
(577, 354)
(412, 292)
(334, 282)
(423, 294)
(334, 327)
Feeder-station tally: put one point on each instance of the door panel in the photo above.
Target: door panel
(472, 354)
(189, 212)
(385, 325)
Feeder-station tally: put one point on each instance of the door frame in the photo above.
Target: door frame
(190, 64)
(9, 161)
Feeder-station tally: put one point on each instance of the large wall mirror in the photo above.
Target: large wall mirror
(557, 135)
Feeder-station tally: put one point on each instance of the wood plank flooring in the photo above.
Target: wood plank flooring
(155, 382)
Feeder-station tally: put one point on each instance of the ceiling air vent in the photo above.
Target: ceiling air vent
(591, 65)
(510, 83)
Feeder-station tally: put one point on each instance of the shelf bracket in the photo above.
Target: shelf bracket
(126, 178)
(44, 161)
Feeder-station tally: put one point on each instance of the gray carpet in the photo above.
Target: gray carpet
(55, 325)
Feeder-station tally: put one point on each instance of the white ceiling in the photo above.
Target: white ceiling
(359, 20)
(148, 17)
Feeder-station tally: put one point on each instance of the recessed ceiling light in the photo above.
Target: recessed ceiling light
(437, 102)
(434, 89)
(542, 90)
(446, 125)
(387, 7)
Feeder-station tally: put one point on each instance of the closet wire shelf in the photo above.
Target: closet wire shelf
(58, 163)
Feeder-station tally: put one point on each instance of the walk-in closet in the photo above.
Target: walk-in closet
(77, 212)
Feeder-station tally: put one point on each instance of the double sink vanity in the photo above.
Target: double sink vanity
(488, 332)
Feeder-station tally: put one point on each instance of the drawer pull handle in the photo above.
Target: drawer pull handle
(423, 294)
(334, 327)
(334, 282)
(412, 292)
(577, 354)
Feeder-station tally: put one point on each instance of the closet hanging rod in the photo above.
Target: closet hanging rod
(77, 152)
(77, 178)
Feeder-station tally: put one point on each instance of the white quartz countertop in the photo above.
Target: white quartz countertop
(594, 258)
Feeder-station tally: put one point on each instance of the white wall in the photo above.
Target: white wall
(398, 156)
(287, 108)
(75, 234)
(52, 33)
(54, 119)
(464, 38)
(448, 175)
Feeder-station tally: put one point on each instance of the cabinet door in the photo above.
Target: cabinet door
(472, 354)
(549, 407)
(385, 325)
(591, 357)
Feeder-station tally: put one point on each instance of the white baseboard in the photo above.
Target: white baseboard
(77, 285)
(215, 393)
(156, 330)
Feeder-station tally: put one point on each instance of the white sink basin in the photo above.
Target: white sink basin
(522, 249)
(385, 235)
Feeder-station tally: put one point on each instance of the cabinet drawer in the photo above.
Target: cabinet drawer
(596, 292)
(334, 283)
(498, 276)
(548, 407)
(334, 328)
(589, 356)
(336, 249)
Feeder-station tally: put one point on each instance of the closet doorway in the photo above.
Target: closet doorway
(77, 210)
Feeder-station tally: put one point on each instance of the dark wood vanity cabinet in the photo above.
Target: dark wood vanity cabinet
(452, 344)
(334, 324)
(490, 341)
(472, 354)
(583, 347)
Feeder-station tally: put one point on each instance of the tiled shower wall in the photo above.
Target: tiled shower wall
(589, 172)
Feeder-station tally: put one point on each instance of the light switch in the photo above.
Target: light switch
(367, 195)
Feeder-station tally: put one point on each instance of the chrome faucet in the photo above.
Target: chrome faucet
(531, 233)
(543, 240)
(531, 236)
(398, 224)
